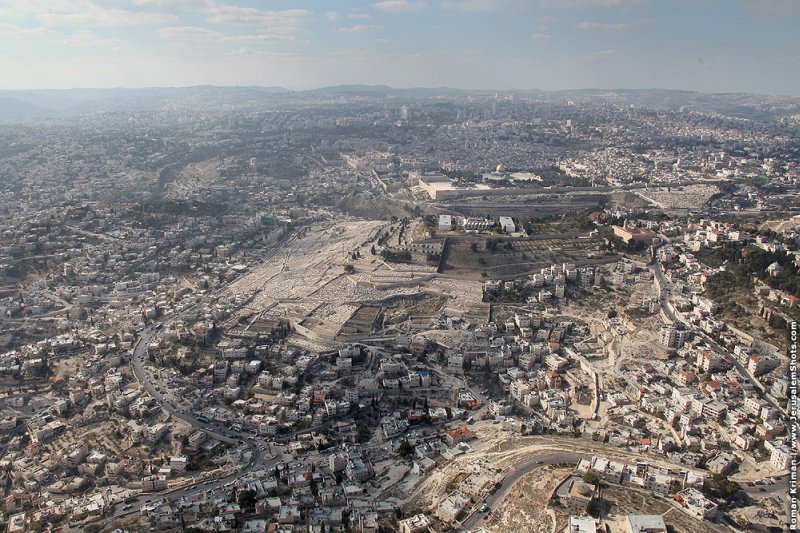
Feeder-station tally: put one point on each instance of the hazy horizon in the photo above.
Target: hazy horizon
(742, 46)
(390, 87)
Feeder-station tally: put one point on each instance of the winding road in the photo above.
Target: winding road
(668, 311)
(216, 431)
(513, 475)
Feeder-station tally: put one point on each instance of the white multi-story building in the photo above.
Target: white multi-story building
(450, 508)
(153, 483)
(155, 432)
(657, 482)
(507, 224)
(710, 361)
(581, 524)
(220, 370)
(416, 524)
(477, 224)
(178, 464)
(455, 362)
(697, 504)
(758, 364)
(781, 457)
(672, 337)
(519, 389)
(358, 470)
(337, 462)
(639, 523)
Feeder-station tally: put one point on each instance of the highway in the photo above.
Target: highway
(780, 486)
(257, 460)
(148, 384)
(181, 410)
(514, 475)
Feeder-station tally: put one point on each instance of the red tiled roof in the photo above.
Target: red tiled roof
(461, 433)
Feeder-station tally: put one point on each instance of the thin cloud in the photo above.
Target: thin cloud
(767, 11)
(358, 28)
(82, 13)
(472, 5)
(160, 5)
(613, 26)
(188, 34)
(289, 19)
(332, 16)
(271, 55)
(18, 32)
(359, 16)
(592, 4)
(97, 16)
(87, 39)
(540, 36)
(400, 6)
(260, 37)
(600, 54)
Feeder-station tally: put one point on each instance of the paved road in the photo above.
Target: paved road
(199, 486)
(50, 314)
(219, 432)
(665, 286)
(780, 486)
(515, 474)
(154, 389)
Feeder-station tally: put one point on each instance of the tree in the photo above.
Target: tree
(402, 255)
(612, 313)
(595, 508)
(591, 478)
(491, 244)
(247, 499)
(405, 449)
(346, 519)
(724, 486)
(474, 246)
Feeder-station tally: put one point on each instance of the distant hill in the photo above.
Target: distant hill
(33, 103)
(385, 91)
(355, 90)
(18, 105)
(14, 108)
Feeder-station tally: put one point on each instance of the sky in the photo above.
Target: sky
(703, 45)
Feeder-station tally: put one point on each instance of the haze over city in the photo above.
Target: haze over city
(709, 46)
(416, 266)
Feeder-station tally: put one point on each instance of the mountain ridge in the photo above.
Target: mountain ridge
(19, 104)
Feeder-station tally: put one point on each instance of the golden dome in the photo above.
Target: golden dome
(501, 168)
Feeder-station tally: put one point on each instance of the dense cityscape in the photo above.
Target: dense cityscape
(370, 309)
